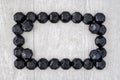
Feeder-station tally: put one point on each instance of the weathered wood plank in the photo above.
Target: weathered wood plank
(60, 40)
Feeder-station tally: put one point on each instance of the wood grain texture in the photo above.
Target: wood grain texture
(60, 40)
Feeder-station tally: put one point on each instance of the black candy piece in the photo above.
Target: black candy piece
(54, 17)
(31, 64)
(42, 17)
(65, 63)
(102, 51)
(18, 40)
(43, 63)
(102, 30)
(31, 16)
(94, 28)
(19, 17)
(76, 17)
(77, 63)
(100, 41)
(18, 52)
(27, 26)
(100, 18)
(88, 64)
(87, 18)
(19, 63)
(65, 16)
(95, 55)
(54, 63)
(100, 65)
(27, 53)
(17, 29)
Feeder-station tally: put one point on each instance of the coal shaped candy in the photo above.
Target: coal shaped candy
(31, 64)
(54, 63)
(95, 55)
(43, 17)
(94, 28)
(100, 18)
(76, 17)
(100, 41)
(24, 23)
(18, 40)
(17, 29)
(77, 63)
(100, 64)
(31, 16)
(54, 17)
(27, 53)
(102, 51)
(87, 18)
(102, 30)
(27, 26)
(19, 17)
(88, 64)
(65, 16)
(18, 52)
(19, 63)
(43, 63)
(65, 63)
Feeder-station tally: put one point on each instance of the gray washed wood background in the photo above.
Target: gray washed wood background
(60, 40)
